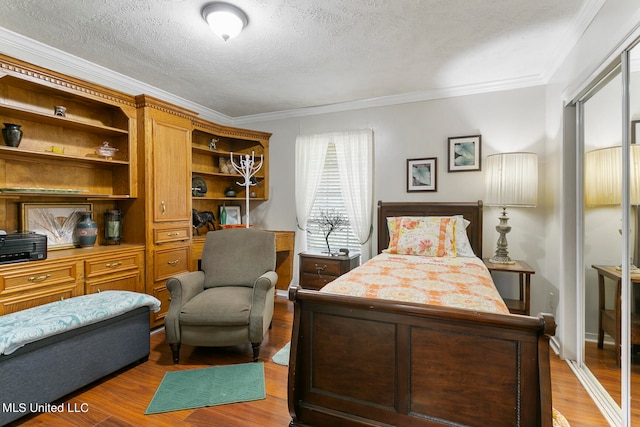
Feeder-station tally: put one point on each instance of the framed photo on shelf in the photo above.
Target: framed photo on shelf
(464, 153)
(57, 221)
(422, 174)
(233, 215)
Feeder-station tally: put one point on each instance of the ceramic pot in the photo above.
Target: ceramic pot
(86, 230)
(12, 134)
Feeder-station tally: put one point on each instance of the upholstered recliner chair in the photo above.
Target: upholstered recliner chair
(230, 301)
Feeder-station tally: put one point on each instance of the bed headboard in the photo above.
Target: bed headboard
(469, 210)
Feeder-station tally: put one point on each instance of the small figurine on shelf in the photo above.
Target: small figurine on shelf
(213, 144)
(60, 110)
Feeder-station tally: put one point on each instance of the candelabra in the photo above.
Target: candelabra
(247, 168)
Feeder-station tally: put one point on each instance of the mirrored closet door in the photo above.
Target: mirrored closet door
(608, 130)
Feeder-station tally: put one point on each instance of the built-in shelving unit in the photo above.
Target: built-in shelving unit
(57, 160)
(58, 155)
(211, 151)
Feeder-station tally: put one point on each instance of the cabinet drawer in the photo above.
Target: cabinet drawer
(24, 300)
(114, 264)
(313, 281)
(40, 277)
(324, 266)
(164, 235)
(122, 282)
(170, 262)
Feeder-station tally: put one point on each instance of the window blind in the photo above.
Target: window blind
(329, 199)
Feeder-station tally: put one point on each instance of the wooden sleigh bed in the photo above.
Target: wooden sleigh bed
(372, 362)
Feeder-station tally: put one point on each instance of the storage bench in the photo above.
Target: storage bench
(49, 351)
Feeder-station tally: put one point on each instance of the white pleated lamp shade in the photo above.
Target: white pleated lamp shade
(511, 179)
(603, 176)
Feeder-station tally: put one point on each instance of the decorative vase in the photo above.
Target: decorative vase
(230, 192)
(86, 230)
(12, 134)
(223, 214)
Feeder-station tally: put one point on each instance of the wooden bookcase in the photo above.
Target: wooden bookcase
(57, 160)
(212, 164)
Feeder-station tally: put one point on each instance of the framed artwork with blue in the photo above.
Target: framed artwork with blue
(465, 153)
(422, 174)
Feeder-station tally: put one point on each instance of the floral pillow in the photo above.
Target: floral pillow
(426, 236)
(417, 236)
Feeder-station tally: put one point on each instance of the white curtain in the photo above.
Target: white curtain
(311, 150)
(354, 151)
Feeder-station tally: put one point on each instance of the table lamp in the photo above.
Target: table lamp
(603, 182)
(511, 180)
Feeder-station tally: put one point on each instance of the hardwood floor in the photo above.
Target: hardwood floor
(121, 399)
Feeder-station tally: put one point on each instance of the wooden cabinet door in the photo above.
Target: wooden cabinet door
(171, 172)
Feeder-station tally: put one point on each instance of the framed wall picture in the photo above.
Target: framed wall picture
(232, 215)
(464, 153)
(422, 174)
(57, 221)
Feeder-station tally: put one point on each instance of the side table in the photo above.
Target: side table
(609, 319)
(317, 269)
(522, 305)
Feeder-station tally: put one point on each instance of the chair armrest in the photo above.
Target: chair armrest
(183, 287)
(265, 282)
(262, 305)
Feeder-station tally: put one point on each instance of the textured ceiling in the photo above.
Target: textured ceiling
(296, 54)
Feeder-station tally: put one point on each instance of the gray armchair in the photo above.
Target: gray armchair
(230, 301)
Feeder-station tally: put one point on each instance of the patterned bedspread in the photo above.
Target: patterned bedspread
(33, 324)
(446, 281)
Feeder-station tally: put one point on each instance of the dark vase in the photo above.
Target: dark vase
(12, 134)
(86, 230)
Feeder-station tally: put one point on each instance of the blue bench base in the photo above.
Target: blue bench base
(46, 370)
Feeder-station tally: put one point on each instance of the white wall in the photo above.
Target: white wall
(508, 121)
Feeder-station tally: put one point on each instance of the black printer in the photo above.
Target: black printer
(22, 246)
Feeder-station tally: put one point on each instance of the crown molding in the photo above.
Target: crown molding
(391, 100)
(29, 50)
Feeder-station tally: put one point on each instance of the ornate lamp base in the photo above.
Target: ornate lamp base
(502, 254)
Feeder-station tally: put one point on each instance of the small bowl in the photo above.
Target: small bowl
(106, 151)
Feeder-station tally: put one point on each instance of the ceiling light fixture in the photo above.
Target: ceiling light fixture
(225, 19)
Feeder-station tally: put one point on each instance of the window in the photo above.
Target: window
(334, 174)
(329, 201)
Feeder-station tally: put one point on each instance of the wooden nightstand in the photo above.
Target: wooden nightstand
(523, 304)
(316, 269)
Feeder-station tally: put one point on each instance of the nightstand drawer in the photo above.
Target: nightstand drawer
(323, 266)
(313, 281)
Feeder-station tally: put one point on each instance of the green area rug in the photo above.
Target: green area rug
(218, 385)
(282, 356)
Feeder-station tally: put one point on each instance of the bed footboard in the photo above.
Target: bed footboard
(364, 362)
